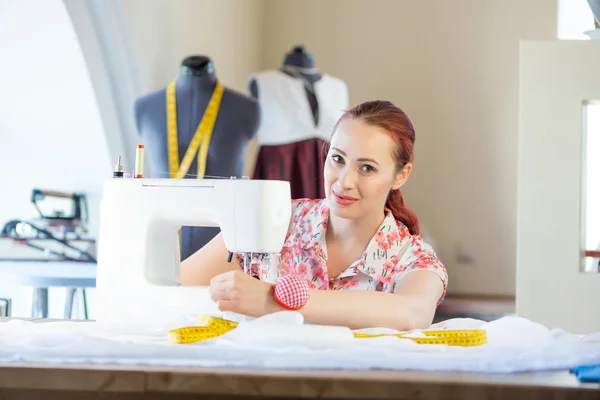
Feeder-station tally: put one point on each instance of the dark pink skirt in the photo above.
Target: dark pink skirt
(300, 163)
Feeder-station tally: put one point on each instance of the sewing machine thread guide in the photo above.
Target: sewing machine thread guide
(118, 170)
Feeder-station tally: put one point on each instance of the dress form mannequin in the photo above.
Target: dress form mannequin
(299, 63)
(299, 107)
(235, 126)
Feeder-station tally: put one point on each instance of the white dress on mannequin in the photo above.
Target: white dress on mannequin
(290, 141)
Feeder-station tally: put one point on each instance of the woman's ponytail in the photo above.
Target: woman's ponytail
(395, 202)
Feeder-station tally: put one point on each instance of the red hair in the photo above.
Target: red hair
(396, 123)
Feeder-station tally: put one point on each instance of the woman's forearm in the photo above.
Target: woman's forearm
(359, 309)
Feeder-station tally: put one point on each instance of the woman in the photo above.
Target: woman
(359, 249)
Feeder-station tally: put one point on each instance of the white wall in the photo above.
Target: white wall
(230, 32)
(51, 135)
(453, 67)
(166, 31)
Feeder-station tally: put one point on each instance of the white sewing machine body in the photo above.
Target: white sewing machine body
(138, 245)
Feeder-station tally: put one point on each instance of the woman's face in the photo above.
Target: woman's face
(360, 170)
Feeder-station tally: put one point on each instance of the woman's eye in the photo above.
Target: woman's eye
(368, 168)
(337, 158)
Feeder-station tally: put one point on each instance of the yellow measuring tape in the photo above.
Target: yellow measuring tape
(201, 137)
(213, 327)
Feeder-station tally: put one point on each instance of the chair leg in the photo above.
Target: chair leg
(39, 303)
(69, 297)
(85, 307)
(5, 307)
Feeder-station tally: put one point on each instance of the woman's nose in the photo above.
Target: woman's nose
(347, 179)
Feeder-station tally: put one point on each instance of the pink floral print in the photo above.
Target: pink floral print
(392, 254)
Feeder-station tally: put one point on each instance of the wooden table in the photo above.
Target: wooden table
(26, 382)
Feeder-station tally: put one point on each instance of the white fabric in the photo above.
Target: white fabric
(286, 116)
(281, 340)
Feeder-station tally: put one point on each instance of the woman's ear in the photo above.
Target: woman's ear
(402, 176)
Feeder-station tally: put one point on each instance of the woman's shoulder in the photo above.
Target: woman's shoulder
(304, 206)
(305, 210)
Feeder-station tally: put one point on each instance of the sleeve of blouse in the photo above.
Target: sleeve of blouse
(420, 256)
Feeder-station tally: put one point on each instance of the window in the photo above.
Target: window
(590, 186)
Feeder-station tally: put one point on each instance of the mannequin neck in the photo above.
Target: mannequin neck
(196, 82)
(197, 73)
(300, 62)
(197, 66)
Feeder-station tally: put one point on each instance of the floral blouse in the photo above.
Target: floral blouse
(391, 255)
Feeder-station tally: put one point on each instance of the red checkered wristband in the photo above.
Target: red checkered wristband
(291, 292)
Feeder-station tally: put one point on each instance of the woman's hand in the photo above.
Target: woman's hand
(240, 293)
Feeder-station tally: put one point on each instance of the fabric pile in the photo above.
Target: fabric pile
(282, 340)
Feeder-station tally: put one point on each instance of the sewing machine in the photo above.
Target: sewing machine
(138, 246)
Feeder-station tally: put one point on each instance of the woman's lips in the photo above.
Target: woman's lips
(344, 200)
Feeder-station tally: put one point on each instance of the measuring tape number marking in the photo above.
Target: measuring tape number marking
(213, 327)
(449, 337)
